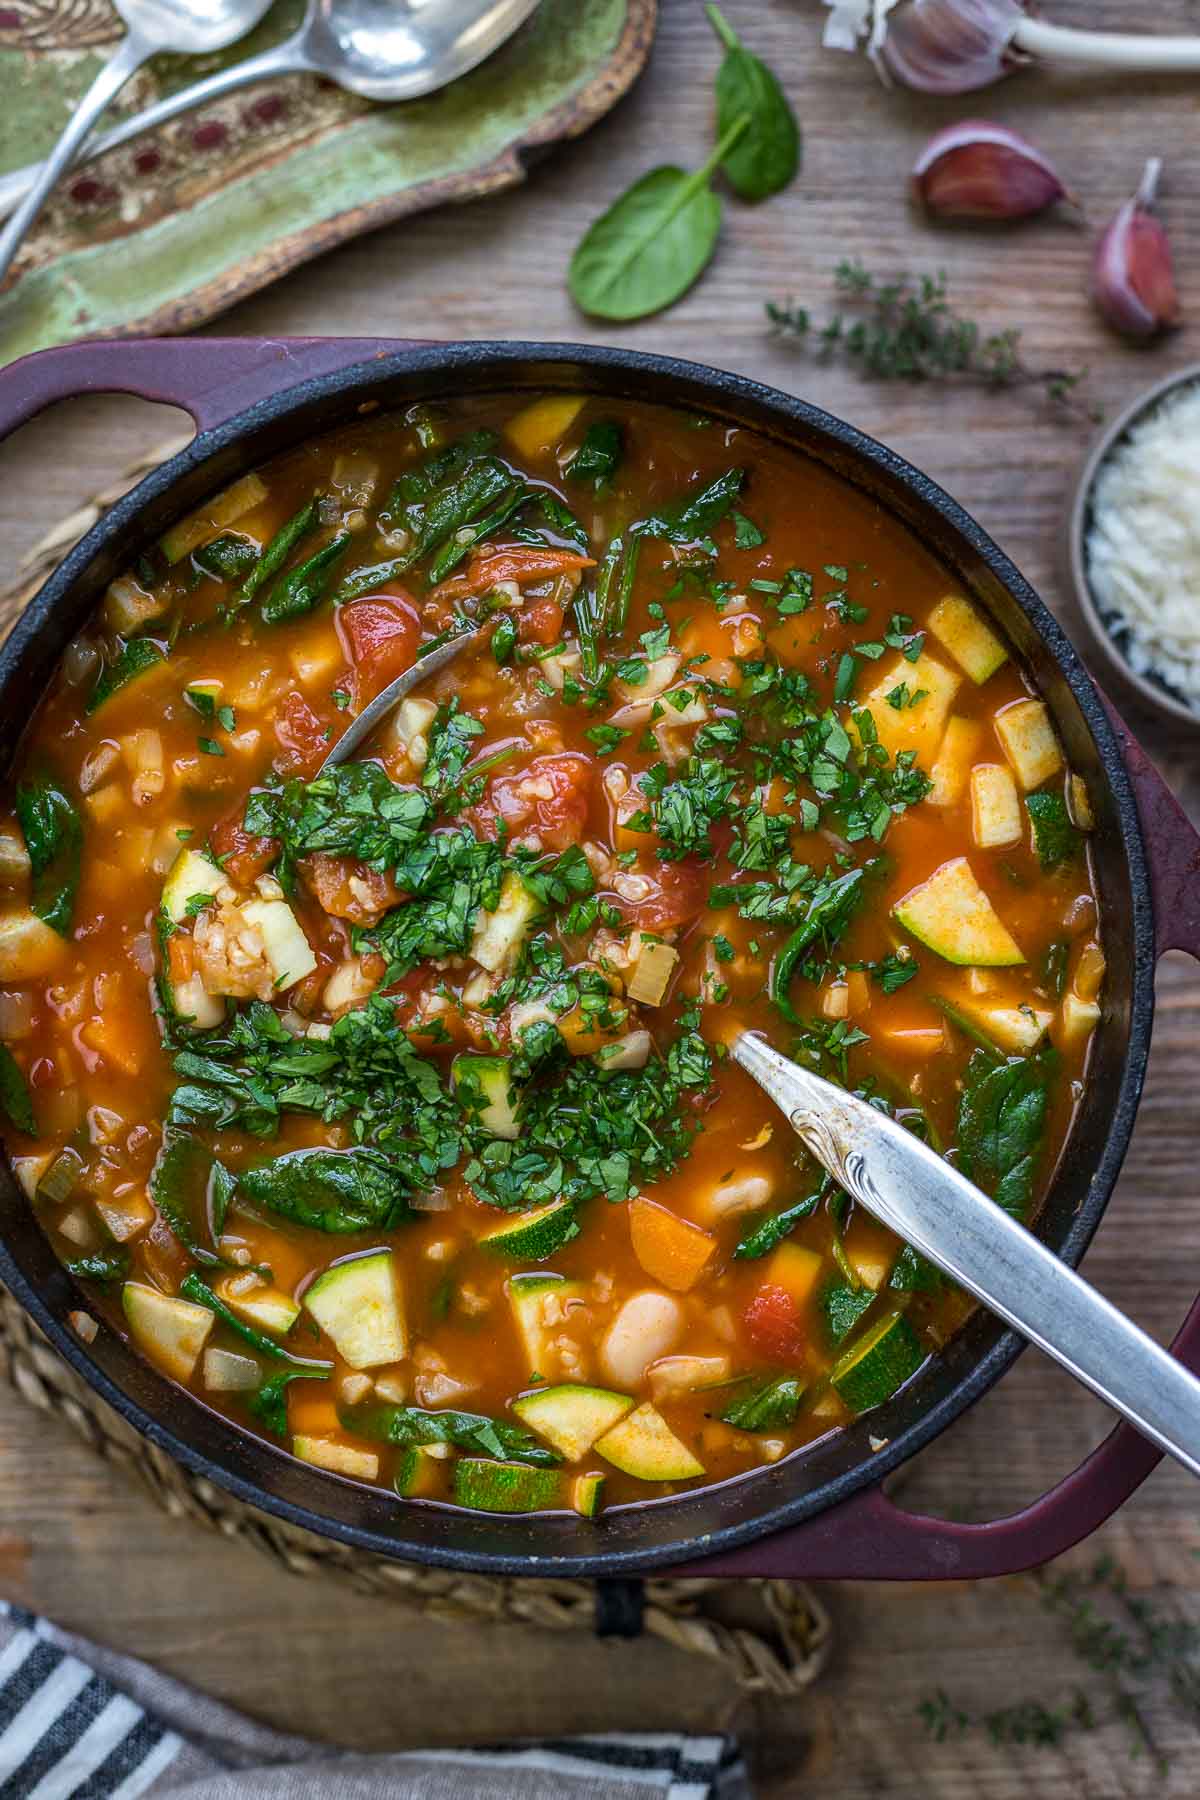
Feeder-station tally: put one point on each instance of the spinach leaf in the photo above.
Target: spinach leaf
(1001, 1123)
(133, 659)
(418, 483)
(766, 1406)
(560, 518)
(1053, 968)
(54, 838)
(191, 1190)
(405, 1426)
(827, 912)
(193, 1288)
(914, 1274)
(767, 157)
(330, 1190)
(598, 456)
(653, 242)
(451, 745)
(298, 591)
(15, 1098)
(280, 548)
(268, 1404)
(460, 543)
(843, 1306)
(227, 557)
(112, 1267)
(761, 1239)
(1054, 837)
(612, 596)
(698, 512)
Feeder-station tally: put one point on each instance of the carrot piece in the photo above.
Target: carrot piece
(670, 1249)
(310, 1411)
(181, 957)
(114, 1037)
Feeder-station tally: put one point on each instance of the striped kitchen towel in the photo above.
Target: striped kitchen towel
(78, 1722)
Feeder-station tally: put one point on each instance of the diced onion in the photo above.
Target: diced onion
(97, 765)
(83, 1325)
(79, 659)
(16, 1015)
(435, 1201)
(227, 1372)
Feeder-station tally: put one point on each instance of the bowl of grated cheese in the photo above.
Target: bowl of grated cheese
(1133, 542)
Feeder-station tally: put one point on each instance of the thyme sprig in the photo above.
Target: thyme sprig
(907, 330)
(1140, 1654)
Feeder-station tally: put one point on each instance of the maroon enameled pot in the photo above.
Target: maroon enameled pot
(820, 1512)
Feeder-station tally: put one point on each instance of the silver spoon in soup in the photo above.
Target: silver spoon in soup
(924, 1200)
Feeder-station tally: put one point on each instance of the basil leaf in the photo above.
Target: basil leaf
(405, 1426)
(598, 455)
(652, 243)
(330, 1190)
(54, 838)
(767, 156)
(767, 1406)
(14, 1094)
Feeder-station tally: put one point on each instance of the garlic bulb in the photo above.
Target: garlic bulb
(977, 170)
(957, 46)
(1133, 279)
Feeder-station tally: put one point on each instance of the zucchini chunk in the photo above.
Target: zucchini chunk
(484, 1087)
(952, 768)
(877, 1363)
(339, 1459)
(533, 1236)
(359, 1305)
(995, 807)
(190, 876)
(537, 1303)
(543, 424)
(951, 914)
(572, 1418)
(505, 1487)
(974, 646)
(500, 934)
(267, 1307)
(1029, 742)
(419, 1475)
(643, 1445)
(172, 1332)
(587, 1494)
(289, 952)
(910, 704)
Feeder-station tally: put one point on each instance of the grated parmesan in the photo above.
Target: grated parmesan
(1143, 544)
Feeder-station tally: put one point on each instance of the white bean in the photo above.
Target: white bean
(648, 1326)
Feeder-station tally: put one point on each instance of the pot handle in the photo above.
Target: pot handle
(211, 378)
(869, 1536)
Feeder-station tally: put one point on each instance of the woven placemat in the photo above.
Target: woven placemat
(783, 1658)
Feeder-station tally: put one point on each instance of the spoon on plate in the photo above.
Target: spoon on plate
(909, 1188)
(380, 49)
(189, 27)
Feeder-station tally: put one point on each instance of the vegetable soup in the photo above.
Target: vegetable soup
(389, 1109)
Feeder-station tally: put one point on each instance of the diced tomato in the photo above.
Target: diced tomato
(181, 958)
(242, 854)
(522, 563)
(541, 622)
(348, 889)
(550, 797)
(679, 894)
(301, 735)
(380, 635)
(773, 1324)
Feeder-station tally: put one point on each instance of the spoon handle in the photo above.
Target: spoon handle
(283, 59)
(943, 1215)
(128, 57)
(365, 722)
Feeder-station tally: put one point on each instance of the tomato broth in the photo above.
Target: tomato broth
(389, 1109)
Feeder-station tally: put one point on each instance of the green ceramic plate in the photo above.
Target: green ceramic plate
(174, 227)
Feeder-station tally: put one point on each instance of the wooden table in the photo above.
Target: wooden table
(86, 1547)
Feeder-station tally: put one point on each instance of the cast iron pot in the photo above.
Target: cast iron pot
(821, 1512)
